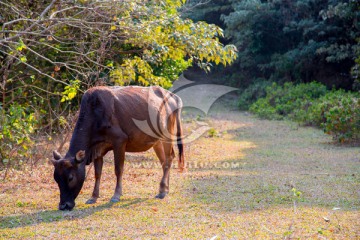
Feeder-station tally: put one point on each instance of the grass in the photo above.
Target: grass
(239, 185)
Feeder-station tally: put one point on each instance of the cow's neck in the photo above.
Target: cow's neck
(81, 137)
(79, 141)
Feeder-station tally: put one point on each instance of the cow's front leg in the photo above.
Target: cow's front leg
(119, 159)
(98, 164)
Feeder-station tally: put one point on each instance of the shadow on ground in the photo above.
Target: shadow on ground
(48, 216)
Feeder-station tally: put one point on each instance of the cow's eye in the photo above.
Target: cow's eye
(71, 177)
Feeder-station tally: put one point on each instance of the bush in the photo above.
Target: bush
(263, 109)
(336, 112)
(253, 93)
(287, 100)
(16, 126)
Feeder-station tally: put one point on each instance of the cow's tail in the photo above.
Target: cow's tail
(179, 140)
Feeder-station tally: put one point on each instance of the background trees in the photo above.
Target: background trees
(297, 41)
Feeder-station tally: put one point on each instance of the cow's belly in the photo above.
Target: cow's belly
(140, 143)
(138, 148)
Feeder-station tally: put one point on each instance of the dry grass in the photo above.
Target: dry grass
(238, 186)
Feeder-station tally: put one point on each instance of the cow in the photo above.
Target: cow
(117, 119)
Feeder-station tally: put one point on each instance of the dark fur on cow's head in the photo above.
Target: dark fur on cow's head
(70, 176)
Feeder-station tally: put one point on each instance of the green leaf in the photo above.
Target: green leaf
(20, 46)
(70, 91)
(23, 59)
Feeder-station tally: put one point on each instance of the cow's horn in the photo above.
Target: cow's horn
(56, 155)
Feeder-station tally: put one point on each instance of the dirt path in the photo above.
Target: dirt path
(239, 185)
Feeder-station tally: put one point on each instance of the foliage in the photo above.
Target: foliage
(252, 93)
(208, 11)
(336, 112)
(134, 36)
(212, 132)
(283, 101)
(17, 124)
(296, 41)
(355, 71)
(170, 69)
(263, 109)
(356, 74)
(126, 42)
(171, 46)
(70, 91)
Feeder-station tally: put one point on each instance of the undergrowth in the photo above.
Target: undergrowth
(337, 112)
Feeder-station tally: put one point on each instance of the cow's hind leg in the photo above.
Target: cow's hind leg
(98, 164)
(165, 153)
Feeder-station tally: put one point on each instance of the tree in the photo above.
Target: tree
(209, 11)
(297, 41)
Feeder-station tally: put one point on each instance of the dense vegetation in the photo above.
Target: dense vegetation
(336, 112)
(282, 41)
(289, 43)
(51, 50)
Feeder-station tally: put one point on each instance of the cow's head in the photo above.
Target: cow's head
(69, 174)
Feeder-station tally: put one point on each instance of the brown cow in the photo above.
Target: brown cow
(117, 118)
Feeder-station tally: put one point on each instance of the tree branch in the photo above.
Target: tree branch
(34, 24)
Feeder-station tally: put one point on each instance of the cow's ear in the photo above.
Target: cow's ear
(80, 156)
(56, 155)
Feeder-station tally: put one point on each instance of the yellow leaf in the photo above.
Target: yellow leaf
(217, 60)
(71, 95)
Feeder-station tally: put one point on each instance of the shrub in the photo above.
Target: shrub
(253, 93)
(16, 125)
(263, 109)
(338, 113)
(287, 100)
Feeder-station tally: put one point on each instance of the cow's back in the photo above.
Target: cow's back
(141, 113)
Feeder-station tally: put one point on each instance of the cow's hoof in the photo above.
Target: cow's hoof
(160, 195)
(91, 201)
(115, 199)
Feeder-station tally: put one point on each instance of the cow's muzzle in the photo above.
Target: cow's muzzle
(66, 206)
